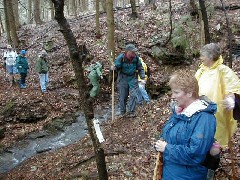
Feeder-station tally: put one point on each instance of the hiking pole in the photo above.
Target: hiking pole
(113, 96)
(158, 167)
(111, 58)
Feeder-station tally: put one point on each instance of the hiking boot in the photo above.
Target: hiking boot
(120, 115)
(23, 86)
(132, 115)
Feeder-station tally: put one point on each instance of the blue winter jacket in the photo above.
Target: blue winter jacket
(129, 70)
(189, 138)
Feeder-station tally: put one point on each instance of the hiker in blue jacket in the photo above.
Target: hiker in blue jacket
(189, 133)
(129, 67)
(22, 66)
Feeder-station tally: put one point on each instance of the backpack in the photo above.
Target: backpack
(148, 72)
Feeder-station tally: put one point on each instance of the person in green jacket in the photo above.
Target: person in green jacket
(22, 66)
(94, 76)
(42, 70)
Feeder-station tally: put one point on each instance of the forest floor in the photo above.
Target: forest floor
(128, 142)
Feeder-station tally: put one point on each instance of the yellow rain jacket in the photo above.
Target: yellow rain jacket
(144, 68)
(216, 82)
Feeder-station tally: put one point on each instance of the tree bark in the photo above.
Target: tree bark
(229, 40)
(29, 12)
(104, 6)
(98, 33)
(51, 9)
(205, 21)
(85, 100)
(7, 21)
(12, 24)
(134, 9)
(110, 25)
(37, 12)
(16, 14)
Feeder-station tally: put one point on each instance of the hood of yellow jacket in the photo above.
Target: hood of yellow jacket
(217, 63)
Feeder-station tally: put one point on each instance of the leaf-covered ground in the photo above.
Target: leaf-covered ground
(128, 145)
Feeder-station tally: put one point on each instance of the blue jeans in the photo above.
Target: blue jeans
(142, 94)
(43, 78)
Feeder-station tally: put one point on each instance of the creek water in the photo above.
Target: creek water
(42, 141)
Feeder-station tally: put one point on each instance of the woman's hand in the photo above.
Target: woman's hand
(160, 145)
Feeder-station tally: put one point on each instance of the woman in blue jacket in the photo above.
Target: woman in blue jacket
(189, 133)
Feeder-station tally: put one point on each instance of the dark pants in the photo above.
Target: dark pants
(127, 86)
(23, 78)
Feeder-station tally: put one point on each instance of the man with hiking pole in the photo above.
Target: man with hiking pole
(128, 67)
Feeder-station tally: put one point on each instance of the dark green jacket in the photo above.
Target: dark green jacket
(22, 64)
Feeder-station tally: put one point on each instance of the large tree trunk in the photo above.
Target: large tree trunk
(134, 9)
(51, 9)
(98, 33)
(110, 25)
(7, 21)
(37, 12)
(103, 3)
(229, 42)
(72, 8)
(29, 12)
(205, 21)
(85, 100)
(16, 14)
(12, 25)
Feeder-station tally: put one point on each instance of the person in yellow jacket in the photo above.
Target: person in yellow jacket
(220, 84)
(142, 93)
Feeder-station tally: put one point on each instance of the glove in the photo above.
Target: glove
(160, 145)
(229, 102)
(112, 67)
(20, 67)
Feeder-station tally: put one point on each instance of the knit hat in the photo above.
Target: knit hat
(43, 53)
(130, 47)
(23, 52)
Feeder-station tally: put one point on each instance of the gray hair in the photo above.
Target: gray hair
(211, 51)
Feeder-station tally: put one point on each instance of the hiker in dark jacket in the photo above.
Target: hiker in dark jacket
(42, 70)
(129, 67)
(22, 66)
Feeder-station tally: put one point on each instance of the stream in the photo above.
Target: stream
(42, 141)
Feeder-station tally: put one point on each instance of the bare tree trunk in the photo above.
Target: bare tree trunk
(98, 33)
(29, 12)
(12, 24)
(16, 14)
(171, 26)
(85, 99)
(205, 21)
(134, 9)
(72, 8)
(1, 26)
(51, 9)
(37, 12)
(110, 25)
(103, 3)
(7, 21)
(229, 42)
